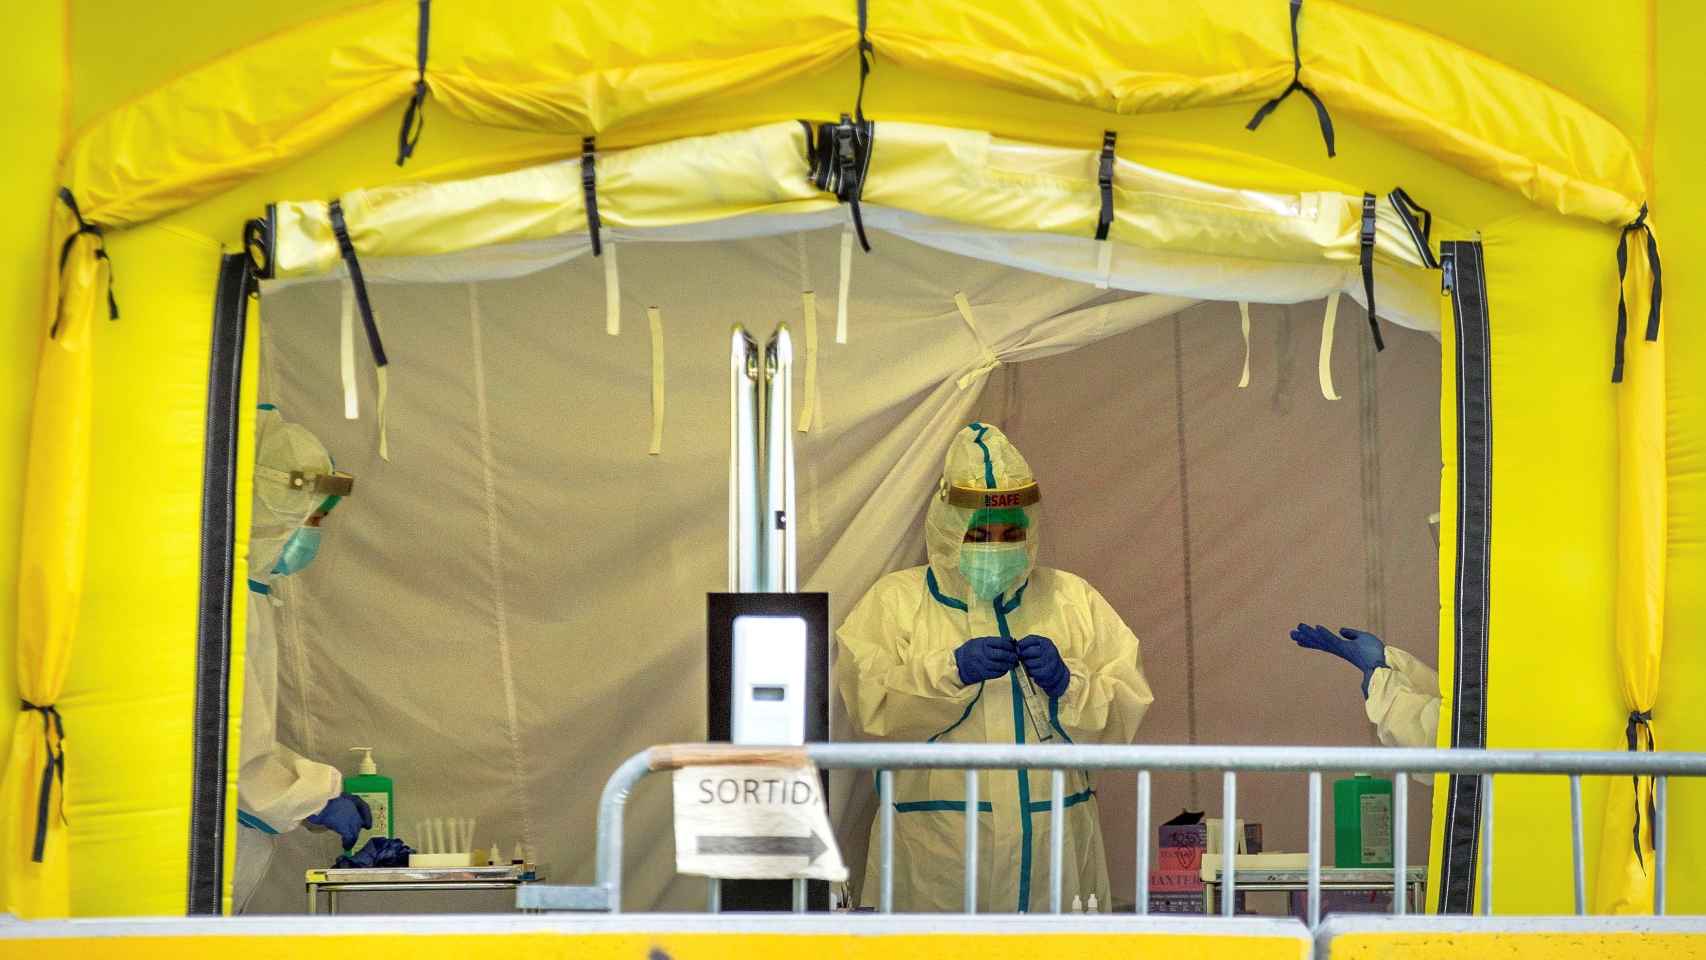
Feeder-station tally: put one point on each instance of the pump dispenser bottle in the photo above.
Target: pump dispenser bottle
(377, 790)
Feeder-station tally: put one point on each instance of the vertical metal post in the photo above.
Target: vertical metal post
(1661, 787)
(1487, 844)
(799, 896)
(713, 895)
(1400, 842)
(1314, 849)
(1576, 856)
(971, 841)
(1142, 887)
(1229, 843)
(1056, 837)
(885, 791)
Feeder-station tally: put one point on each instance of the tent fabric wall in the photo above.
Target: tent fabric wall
(32, 130)
(274, 157)
(1682, 682)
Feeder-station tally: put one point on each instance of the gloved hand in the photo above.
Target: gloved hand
(1362, 650)
(985, 658)
(346, 815)
(1042, 661)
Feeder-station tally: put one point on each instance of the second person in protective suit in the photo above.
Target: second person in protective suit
(981, 645)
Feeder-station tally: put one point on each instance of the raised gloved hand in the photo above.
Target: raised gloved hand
(346, 815)
(1042, 661)
(1362, 650)
(985, 658)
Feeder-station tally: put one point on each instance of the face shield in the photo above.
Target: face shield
(294, 482)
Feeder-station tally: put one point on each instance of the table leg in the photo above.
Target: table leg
(313, 899)
(332, 901)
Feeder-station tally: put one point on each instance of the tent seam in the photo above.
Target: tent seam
(500, 617)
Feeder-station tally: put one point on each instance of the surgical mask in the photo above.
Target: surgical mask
(299, 551)
(991, 568)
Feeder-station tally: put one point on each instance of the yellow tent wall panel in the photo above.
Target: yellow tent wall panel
(1681, 137)
(132, 681)
(31, 131)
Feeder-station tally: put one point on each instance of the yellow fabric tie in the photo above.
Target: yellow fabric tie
(990, 361)
(346, 353)
(656, 320)
(846, 284)
(1324, 366)
(384, 421)
(808, 407)
(1244, 322)
(612, 291)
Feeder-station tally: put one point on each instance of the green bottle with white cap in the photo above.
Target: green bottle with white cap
(377, 791)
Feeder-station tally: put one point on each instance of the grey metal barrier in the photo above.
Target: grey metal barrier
(605, 894)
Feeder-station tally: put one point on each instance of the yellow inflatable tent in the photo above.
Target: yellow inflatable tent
(1245, 150)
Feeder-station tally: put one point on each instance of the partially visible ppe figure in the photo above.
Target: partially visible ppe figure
(980, 645)
(277, 788)
(1401, 693)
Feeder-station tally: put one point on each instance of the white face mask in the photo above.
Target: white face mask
(993, 568)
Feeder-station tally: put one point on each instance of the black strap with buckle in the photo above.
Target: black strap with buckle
(589, 187)
(1366, 237)
(1105, 181)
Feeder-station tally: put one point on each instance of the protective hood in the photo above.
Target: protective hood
(980, 458)
(281, 505)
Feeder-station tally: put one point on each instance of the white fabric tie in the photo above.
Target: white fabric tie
(1324, 366)
(346, 353)
(612, 291)
(656, 320)
(1244, 321)
(809, 406)
(989, 361)
(846, 284)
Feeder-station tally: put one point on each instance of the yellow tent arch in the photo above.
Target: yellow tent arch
(1576, 506)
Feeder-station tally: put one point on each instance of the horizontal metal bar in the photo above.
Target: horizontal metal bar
(404, 887)
(987, 756)
(544, 896)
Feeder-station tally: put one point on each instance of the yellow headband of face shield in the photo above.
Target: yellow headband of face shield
(999, 498)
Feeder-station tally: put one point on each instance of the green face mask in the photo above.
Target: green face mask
(992, 568)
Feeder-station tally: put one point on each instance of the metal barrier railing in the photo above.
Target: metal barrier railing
(606, 893)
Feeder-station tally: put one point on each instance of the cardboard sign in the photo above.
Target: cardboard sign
(750, 823)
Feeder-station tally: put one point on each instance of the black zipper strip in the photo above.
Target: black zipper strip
(210, 747)
(1465, 276)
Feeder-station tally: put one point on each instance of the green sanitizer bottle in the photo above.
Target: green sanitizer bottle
(1362, 822)
(370, 786)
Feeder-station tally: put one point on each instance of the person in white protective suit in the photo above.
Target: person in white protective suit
(980, 645)
(277, 788)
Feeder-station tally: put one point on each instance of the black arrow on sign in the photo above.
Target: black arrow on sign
(810, 846)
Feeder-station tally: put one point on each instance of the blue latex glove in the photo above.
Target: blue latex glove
(985, 658)
(346, 815)
(1361, 650)
(1042, 661)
